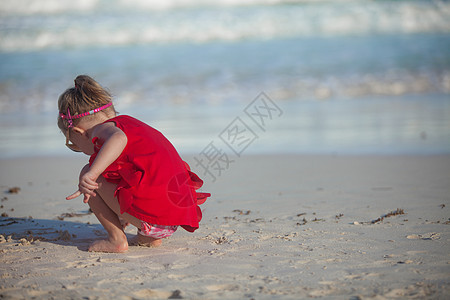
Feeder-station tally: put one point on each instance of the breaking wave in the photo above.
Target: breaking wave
(34, 25)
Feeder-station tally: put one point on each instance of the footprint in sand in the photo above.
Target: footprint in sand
(155, 294)
(425, 236)
(222, 287)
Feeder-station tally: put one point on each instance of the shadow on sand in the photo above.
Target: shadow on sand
(67, 233)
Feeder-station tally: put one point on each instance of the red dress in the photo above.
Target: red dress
(153, 183)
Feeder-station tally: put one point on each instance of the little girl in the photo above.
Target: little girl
(134, 174)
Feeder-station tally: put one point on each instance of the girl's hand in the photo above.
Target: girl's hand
(86, 186)
(114, 141)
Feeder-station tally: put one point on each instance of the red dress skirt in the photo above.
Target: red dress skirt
(153, 183)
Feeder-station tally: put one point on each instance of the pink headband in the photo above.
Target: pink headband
(91, 112)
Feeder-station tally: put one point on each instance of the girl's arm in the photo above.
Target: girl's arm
(114, 141)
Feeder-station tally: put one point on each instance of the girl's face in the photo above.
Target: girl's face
(80, 141)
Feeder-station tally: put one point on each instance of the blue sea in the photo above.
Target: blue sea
(293, 76)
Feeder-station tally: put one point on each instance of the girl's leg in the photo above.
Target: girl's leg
(117, 240)
(106, 191)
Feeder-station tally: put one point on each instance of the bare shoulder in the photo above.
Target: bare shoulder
(106, 130)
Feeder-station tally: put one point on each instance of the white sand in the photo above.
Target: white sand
(284, 227)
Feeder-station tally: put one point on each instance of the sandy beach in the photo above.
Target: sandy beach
(325, 123)
(276, 227)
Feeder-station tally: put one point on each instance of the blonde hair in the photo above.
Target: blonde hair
(87, 95)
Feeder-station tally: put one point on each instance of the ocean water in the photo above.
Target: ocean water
(341, 77)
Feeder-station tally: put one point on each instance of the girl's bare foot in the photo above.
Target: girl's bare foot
(108, 246)
(148, 241)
